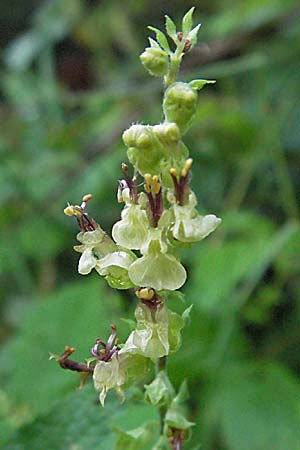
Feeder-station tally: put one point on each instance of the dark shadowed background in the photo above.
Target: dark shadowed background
(71, 82)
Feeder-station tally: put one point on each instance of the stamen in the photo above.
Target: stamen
(181, 187)
(69, 211)
(109, 348)
(145, 293)
(87, 197)
(153, 190)
(186, 167)
(85, 222)
(131, 184)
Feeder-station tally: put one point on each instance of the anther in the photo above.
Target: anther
(187, 167)
(69, 210)
(87, 197)
(145, 293)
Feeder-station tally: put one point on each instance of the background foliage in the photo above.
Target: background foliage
(71, 82)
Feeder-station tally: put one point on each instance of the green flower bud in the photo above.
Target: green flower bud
(167, 133)
(155, 60)
(145, 150)
(180, 104)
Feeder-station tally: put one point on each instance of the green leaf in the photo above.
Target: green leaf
(161, 39)
(175, 416)
(187, 21)
(258, 407)
(186, 315)
(69, 316)
(130, 322)
(153, 43)
(135, 439)
(183, 393)
(193, 34)
(223, 271)
(199, 84)
(162, 444)
(175, 419)
(74, 422)
(171, 28)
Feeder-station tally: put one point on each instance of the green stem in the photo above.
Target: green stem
(175, 61)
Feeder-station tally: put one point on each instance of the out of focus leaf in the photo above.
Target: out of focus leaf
(74, 315)
(77, 421)
(135, 439)
(255, 406)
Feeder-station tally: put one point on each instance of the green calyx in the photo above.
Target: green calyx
(180, 104)
(155, 149)
(155, 60)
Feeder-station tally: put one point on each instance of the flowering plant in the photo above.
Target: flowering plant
(143, 252)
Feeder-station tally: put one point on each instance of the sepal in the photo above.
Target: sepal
(180, 104)
(175, 415)
(160, 392)
(155, 60)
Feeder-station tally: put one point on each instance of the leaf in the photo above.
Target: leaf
(175, 416)
(161, 39)
(224, 271)
(257, 406)
(171, 28)
(153, 43)
(74, 422)
(199, 84)
(130, 322)
(193, 34)
(162, 444)
(187, 21)
(135, 439)
(69, 316)
(186, 315)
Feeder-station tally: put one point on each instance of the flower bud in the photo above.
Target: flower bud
(180, 103)
(145, 150)
(167, 132)
(155, 60)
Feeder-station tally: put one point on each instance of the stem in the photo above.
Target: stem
(175, 61)
(161, 364)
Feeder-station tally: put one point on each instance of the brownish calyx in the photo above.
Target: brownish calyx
(176, 438)
(130, 183)
(181, 183)
(85, 222)
(103, 351)
(66, 363)
(153, 191)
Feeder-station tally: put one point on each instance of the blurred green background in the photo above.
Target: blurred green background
(71, 82)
